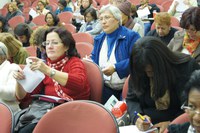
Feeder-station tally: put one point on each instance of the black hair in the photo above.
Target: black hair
(152, 51)
(191, 16)
(4, 24)
(23, 29)
(93, 13)
(63, 3)
(66, 38)
(55, 18)
(192, 84)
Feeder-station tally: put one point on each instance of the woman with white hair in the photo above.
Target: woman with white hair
(112, 49)
(7, 81)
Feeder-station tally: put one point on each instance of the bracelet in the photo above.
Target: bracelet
(52, 73)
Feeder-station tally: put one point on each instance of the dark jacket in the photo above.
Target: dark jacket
(179, 128)
(144, 104)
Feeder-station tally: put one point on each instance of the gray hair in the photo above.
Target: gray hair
(3, 49)
(113, 10)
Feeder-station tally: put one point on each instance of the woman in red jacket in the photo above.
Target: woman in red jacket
(65, 74)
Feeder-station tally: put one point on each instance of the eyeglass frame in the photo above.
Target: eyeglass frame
(106, 18)
(55, 43)
(192, 111)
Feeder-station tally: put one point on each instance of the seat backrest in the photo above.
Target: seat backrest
(6, 119)
(83, 37)
(65, 17)
(3, 11)
(70, 27)
(39, 20)
(80, 116)
(95, 79)
(179, 120)
(125, 88)
(84, 49)
(31, 50)
(166, 4)
(157, 2)
(13, 22)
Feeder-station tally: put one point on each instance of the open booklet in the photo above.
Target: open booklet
(52, 99)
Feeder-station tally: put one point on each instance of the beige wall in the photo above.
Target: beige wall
(3, 2)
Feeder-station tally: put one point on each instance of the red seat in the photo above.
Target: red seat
(3, 11)
(6, 118)
(78, 117)
(84, 49)
(31, 50)
(179, 120)
(65, 17)
(70, 27)
(166, 4)
(95, 78)
(39, 20)
(135, 2)
(125, 88)
(83, 37)
(157, 2)
(13, 22)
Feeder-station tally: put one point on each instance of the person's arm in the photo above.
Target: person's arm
(96, 29)
(172, 8)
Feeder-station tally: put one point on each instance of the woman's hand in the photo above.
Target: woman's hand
(162, 126)
(18, 74)
(143, 125)
(38, 64)
(108, 71)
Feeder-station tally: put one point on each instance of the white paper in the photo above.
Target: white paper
(134, 129)
(33, 13)
(143, 12)
(181, 7)
(32, 79)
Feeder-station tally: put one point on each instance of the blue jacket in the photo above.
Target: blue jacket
(124, 43)
(66, 9)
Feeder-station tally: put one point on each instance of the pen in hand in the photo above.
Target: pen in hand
(143, 118)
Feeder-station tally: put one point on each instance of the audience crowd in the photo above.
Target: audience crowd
(158, 48)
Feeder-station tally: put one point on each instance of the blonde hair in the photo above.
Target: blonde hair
(163, 18)
(12, 44)
(13, 5)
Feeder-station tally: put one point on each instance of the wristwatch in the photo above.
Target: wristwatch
(52, 73)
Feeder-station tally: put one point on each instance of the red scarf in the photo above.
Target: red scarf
(59, 65)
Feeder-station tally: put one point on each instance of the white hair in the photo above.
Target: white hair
(113, 10)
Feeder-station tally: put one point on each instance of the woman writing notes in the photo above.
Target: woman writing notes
(65, 72)
(156, 82)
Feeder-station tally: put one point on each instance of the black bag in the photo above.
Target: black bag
(32, 114)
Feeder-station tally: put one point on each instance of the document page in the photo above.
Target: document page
(32, 79)
(134, 129)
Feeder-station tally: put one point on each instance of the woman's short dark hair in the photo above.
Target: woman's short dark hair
(63, 2)
(193, 83)
(66, 38)
(55, 18)
(152, 51)
(93, 13)
(191, 16)
(23, 29)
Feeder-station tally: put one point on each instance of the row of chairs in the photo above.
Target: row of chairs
(77, 116)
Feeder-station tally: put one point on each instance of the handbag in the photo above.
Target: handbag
(32, 114)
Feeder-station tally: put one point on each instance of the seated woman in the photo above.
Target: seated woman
(41, 8)
(12, 11)
(16, 53)
(62, 7)
(65, 72)
(157, 79)
(188, 40)
(128, 21)
(7, 81)
(52, 19)
(179, 6)
(112, 49)
(91, 25)
(23, 33)
(191, 107)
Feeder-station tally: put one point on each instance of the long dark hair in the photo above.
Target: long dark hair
(66, 38)
(152, 51)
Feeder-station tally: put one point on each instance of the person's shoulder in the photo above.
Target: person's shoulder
(179, 128)
(152, 33)
(179, 33)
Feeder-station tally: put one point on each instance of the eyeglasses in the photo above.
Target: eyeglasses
(191, 109)
(52, 43)
(106, 18)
